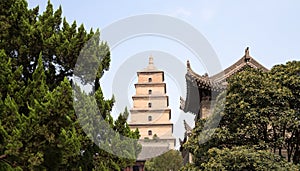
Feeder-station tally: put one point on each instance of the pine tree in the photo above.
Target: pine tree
(38, 124)
(25, 34)
(11, 122)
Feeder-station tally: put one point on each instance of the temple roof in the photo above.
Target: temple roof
(246, 60)
(218, 81)
(151, 150)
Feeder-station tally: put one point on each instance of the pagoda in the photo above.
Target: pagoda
(151, 115)
(150, 112)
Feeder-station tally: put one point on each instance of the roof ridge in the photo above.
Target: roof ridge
(243, 61)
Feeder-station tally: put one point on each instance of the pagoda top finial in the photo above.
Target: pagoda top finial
(150, 67)
(150, 60)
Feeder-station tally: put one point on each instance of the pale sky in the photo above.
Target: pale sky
(269, 28)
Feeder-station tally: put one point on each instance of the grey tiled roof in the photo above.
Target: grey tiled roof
(153, 150)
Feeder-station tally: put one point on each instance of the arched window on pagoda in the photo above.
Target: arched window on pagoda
(149, 118)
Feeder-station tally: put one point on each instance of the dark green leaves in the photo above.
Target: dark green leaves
(261, 112)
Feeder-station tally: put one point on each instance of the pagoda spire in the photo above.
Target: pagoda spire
(151, 63)
(150, 66)
(150, 60)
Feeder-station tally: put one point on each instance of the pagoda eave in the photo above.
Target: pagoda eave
(136, 110)
(150, 124)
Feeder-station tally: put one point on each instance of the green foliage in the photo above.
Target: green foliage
(119, 147)
(42, 137)
(244, 158)
(261, 110)
(39, 128)
(25, 34)
(170, 160)
(288, 75)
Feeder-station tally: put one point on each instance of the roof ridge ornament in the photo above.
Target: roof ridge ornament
(188, 65)
(247, 55)
(247, 51)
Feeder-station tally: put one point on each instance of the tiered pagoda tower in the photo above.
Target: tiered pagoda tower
(150, 112)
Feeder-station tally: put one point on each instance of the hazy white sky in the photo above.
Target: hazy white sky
(270, 28)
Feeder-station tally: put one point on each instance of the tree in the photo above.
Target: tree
(170, 160)
(39, 128)
(45, 136)
(119, 146)
(258, 111)
(288, 75)
(245, 158)
(11, 119)
(25, 34)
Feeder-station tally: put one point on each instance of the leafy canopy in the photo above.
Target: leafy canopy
(261, 112)
(39, 128)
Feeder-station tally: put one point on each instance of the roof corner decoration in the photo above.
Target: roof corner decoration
(188, 65)
(182, 103)
(187, 127)
(203, 81)
(181, 141)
